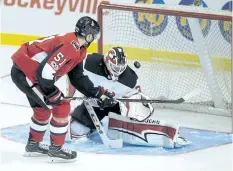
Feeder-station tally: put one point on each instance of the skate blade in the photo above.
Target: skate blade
(34, 154)
(60, 160)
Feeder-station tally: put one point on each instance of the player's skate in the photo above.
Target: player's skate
(57, 154)
(35, 149)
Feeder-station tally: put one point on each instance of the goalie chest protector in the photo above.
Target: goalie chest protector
(95, 69)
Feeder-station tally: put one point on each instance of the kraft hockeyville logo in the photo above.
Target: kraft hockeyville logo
(82, 6)
(141, 130)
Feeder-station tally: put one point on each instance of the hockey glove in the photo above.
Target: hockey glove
(105, 98)
(54, 98)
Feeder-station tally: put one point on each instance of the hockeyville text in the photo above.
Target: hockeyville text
(82, 6)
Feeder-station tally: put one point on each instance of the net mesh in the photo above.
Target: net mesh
(170, 65)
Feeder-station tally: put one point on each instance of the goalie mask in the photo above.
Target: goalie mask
(115, 62)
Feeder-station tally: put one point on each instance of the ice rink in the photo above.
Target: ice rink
(219, 158)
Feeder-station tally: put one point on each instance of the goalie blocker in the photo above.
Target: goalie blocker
(132, 127)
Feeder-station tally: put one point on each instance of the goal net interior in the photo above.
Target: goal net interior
(180, 48)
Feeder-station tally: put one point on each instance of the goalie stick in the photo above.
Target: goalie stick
(176, 101)
(118, 143)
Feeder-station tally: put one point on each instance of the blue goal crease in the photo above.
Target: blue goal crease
(201, 139)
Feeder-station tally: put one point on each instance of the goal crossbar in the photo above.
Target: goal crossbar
(164, 10)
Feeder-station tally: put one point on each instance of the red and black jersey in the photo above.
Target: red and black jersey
(47, 59)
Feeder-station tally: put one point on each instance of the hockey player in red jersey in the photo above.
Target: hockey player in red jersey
(37, 65)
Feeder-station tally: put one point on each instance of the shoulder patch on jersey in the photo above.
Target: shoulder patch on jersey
(75, 45)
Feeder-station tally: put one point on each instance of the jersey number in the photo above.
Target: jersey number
(56, 63)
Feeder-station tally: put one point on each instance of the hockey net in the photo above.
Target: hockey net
(180, 49)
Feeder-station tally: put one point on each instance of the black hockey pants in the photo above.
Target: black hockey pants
(81, 114)
(19, 78)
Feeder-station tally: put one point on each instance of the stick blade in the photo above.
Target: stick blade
(180, 100)
(118, 143)
(192, 94)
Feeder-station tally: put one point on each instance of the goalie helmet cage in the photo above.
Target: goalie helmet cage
(181, 48)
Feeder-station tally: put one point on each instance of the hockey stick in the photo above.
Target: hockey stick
(118, 143)
(180, 100)
(176, 101)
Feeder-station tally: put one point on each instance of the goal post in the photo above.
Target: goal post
(181, 48)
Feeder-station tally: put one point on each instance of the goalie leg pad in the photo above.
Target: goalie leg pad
(78, 130)
(150, 132)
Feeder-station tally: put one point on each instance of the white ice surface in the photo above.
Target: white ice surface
(212, 159)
